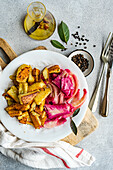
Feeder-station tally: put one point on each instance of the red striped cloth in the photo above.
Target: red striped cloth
(43, 155)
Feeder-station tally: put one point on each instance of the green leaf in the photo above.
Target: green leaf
(76, 112)
(57, 44)
(63, 32)
(73, 127)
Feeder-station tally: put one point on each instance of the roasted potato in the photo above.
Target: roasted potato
(27, 98)
(18, 107)
(42, 115)
(32, 107)
(22, 73)
(36, 86)
(24, 118)
(37, 110)
(25, 87)
(36, 73)
(24, 114)
(31, 79)
(45, 74)
(20, 88)
(54, 69)
(41, 106)
(12, 77)
(14, 113)
(13, 93)
(10, 101)
(41, 95)
(43, 118)
(36, 119)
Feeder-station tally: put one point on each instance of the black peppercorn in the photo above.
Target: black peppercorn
(81, 62)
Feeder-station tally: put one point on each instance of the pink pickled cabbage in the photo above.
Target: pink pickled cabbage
(54, 122)
(57, 110)
(64, 98)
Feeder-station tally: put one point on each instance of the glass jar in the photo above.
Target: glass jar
(39, 23)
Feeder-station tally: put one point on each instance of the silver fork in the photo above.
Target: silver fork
(105, 102)
(94, 100)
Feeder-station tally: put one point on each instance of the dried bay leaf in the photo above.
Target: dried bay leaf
(56, 44)
(63, 32)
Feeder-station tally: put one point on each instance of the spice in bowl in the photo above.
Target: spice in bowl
(81, 62)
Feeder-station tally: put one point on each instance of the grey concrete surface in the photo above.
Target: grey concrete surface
(95, 19)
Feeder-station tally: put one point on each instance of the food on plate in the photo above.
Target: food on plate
(54, 69)
(22, 73)
(28, 97)
(42, 94)
(31, 79)
(36, 86)
(43, 99)
(12, 92)
(36, 74)
(45, 74)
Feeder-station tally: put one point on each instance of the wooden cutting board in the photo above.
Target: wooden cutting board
(89, 123)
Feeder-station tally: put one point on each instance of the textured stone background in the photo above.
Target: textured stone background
(95, 21)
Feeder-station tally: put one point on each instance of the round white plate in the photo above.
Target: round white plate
(39, 59)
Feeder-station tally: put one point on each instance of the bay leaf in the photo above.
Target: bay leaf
(57, 44)
(73, 127)
(63, 32)
(76, 112)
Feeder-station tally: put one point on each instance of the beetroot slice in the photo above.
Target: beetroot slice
(55, 122)
(57, 110)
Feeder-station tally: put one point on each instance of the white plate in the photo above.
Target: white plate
(39, 59)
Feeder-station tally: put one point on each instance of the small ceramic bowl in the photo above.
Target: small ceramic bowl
(86, 55)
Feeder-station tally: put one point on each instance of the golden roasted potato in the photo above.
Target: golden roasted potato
(13, 93)
(31, 79)
(43, 118)
(45, 74)
(28, 97)
(32, 107)
(29, 123)
(36, 73)
(10, 101)
(12, 77)
(25, 118)
(20, 88)
(36, 120)
(25, 87)
(36, 86)
(22, 73)
(54, 69)
(18, 107)
(41, 107)
(43, 114)
(41, 95)
(37, 110)
(25, 114)
(14, 113)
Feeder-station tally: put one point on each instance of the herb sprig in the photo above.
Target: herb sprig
(63, 32)
(72, 123)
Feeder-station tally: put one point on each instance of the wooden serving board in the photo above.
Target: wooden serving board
(89, 123)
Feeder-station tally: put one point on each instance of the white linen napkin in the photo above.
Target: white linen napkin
(43, 155)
